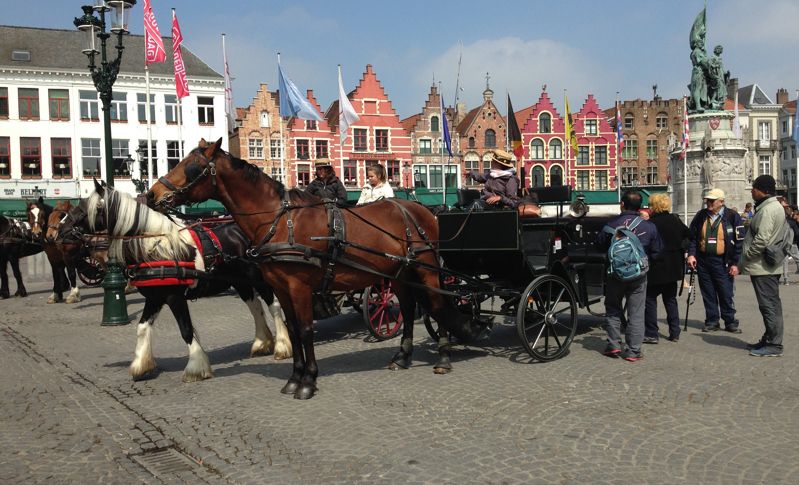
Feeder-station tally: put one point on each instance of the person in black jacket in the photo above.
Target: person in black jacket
(667, 271)
(326, 185)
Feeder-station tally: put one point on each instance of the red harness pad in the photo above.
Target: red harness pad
(161, 273)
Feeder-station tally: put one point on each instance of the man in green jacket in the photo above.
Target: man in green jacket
(764, 229)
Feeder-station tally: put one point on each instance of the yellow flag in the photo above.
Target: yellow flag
(571, 135)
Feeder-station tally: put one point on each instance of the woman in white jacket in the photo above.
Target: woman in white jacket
(376, 186)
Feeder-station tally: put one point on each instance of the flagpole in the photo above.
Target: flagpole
(282, 144)
(568, 140)
(685, 164)
(796, 147)
(341, 139)
(149, 129)
(180, 107)
(445, 170)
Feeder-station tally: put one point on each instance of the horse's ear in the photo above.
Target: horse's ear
(218, 145)
(98, 188)
(40, 200)
(203, 144)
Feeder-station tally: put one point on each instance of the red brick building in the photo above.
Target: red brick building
(480, 132)
(257, 137)
(308, 141)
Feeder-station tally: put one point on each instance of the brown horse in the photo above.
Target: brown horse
(301, 241)
(63, 268)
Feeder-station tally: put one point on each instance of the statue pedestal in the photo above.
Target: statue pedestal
(724, 167)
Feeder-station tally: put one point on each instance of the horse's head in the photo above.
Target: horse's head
(192, 180)
(88, 217)
(55, 220)
(37, 213)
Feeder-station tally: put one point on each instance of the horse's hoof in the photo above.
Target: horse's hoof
(282, 351)
(20, 293)
(442, 369)
(306, 391)
(399, 364)
(50, 301)
(4, 296)
(290, 387)
(196, 377)
(144, 376)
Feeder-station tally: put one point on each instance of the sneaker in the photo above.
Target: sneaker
(756, 345)
(651, 340)
(612, 351)
(711, 328)
(732, 329)
(673, 338)
(630, 356)
(766, 351)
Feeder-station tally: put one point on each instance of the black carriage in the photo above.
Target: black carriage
(542, 268)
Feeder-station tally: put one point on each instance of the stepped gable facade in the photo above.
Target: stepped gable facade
(481, 131)
(593, 166)
(429, 157)
(307, 142)
(257, 138)
(543, 140)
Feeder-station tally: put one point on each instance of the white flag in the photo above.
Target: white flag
(229, 110)
(346, 113)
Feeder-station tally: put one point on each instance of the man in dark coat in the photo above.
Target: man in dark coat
(667, 271)
(326, 185)
(714, 251)
(501, 187)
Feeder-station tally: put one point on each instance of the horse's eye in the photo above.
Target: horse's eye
(192, 170)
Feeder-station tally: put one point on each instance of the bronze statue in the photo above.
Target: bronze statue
(708, 86)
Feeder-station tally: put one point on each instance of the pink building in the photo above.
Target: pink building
(308, 141)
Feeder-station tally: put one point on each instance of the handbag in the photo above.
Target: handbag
(775, 254)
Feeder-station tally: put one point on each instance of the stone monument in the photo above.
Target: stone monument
(716, 156)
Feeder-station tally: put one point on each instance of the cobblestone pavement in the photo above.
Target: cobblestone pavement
(697, 411)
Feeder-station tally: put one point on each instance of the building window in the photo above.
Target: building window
(538, 176)
(310, 125)
(303, 152)
(764, 131)
(601, 155)
(651, 149)
(31, 154)
(590, 127)
(119, 152)
(544, 123)
(471, 162)
(661, 122)
(393, 172)
(652, 174)
(89, 106)
(434, 123)
(255, 147)
(583, 180)
(265, 123)
(381, 140)
(119, 107)
(601, 180)
(350, 173)
(28, 104)
(555, 176)
(5, 157)
(487, 158)
(275, 149)
(145, 158)
(420, 176)
(582, 155)
(303, 174)
(3, 102)
(630, 149)
(90, 157)
(491, 138)
(785, 127)
(205, 110)
(629, 120)
(629, 176)
(471, 142)
(61, 150)
(435, 177)
(321, 149)
(172, 154)
(555, 149)
(141, 106)
(277, 173)
(171, 109)
(537, 150)
(359, 139)
(764, 167)
(59, 104)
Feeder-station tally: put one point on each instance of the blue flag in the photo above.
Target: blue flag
(447, 139)
(292, 103)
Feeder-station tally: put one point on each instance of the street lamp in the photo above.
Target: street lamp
(104, 75)
(139, 183)
(93, 27)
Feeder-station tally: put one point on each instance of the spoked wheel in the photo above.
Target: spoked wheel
(90, 271)
(547, 317)
(381, 311)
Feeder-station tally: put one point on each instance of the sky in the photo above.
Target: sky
(581, 46)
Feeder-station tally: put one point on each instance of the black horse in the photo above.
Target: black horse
(16, 242)
(141, 236)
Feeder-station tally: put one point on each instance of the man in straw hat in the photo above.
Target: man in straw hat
(501, 187)
(326, 185)
(713, 251)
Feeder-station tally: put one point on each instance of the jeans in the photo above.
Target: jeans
(715, 284)
(767, 291)
(635, 293)
(668, 291)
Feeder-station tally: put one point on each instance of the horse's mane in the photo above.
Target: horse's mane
(253, 174)
(126, 217)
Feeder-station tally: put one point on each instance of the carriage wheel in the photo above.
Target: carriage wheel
(431, 326)
(547, 317)
(91, 271)
(381, 311)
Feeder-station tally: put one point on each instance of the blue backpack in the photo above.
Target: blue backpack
(626, 256)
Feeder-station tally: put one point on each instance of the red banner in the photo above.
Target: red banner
(153, 43)
(181, 82)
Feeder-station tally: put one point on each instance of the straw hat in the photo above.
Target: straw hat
(503, 158)
(323, 162)
(714, 194)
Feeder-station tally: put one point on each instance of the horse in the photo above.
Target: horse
(139, 234)
(64, 273)
(88, 254)
(16, 242)
(305, 244)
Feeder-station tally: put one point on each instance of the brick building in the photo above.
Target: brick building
(480, 132)
(543, 138)
(307, 142)
(257, 137)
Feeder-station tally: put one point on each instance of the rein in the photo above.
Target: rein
(210, 169)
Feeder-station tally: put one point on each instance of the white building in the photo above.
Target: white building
(51, 120)
(788, 149)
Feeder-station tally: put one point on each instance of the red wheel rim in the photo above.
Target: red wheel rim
(385, 317)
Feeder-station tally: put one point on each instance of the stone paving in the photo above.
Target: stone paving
(697, 411)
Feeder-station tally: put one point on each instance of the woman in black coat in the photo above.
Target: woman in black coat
(667, 271)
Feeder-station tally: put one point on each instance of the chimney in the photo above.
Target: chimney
(782, 96)
(732, 87)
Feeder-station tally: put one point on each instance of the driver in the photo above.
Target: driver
(326, 185)
(501, 187)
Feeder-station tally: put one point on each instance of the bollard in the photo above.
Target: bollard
(115, 307)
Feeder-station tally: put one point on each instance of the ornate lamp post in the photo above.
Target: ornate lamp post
(115, 310)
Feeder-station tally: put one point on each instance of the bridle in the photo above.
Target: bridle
(168, 199)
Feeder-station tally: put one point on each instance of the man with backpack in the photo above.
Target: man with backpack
(713, 251)
(631, 243)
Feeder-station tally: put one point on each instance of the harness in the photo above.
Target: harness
(210, 169)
